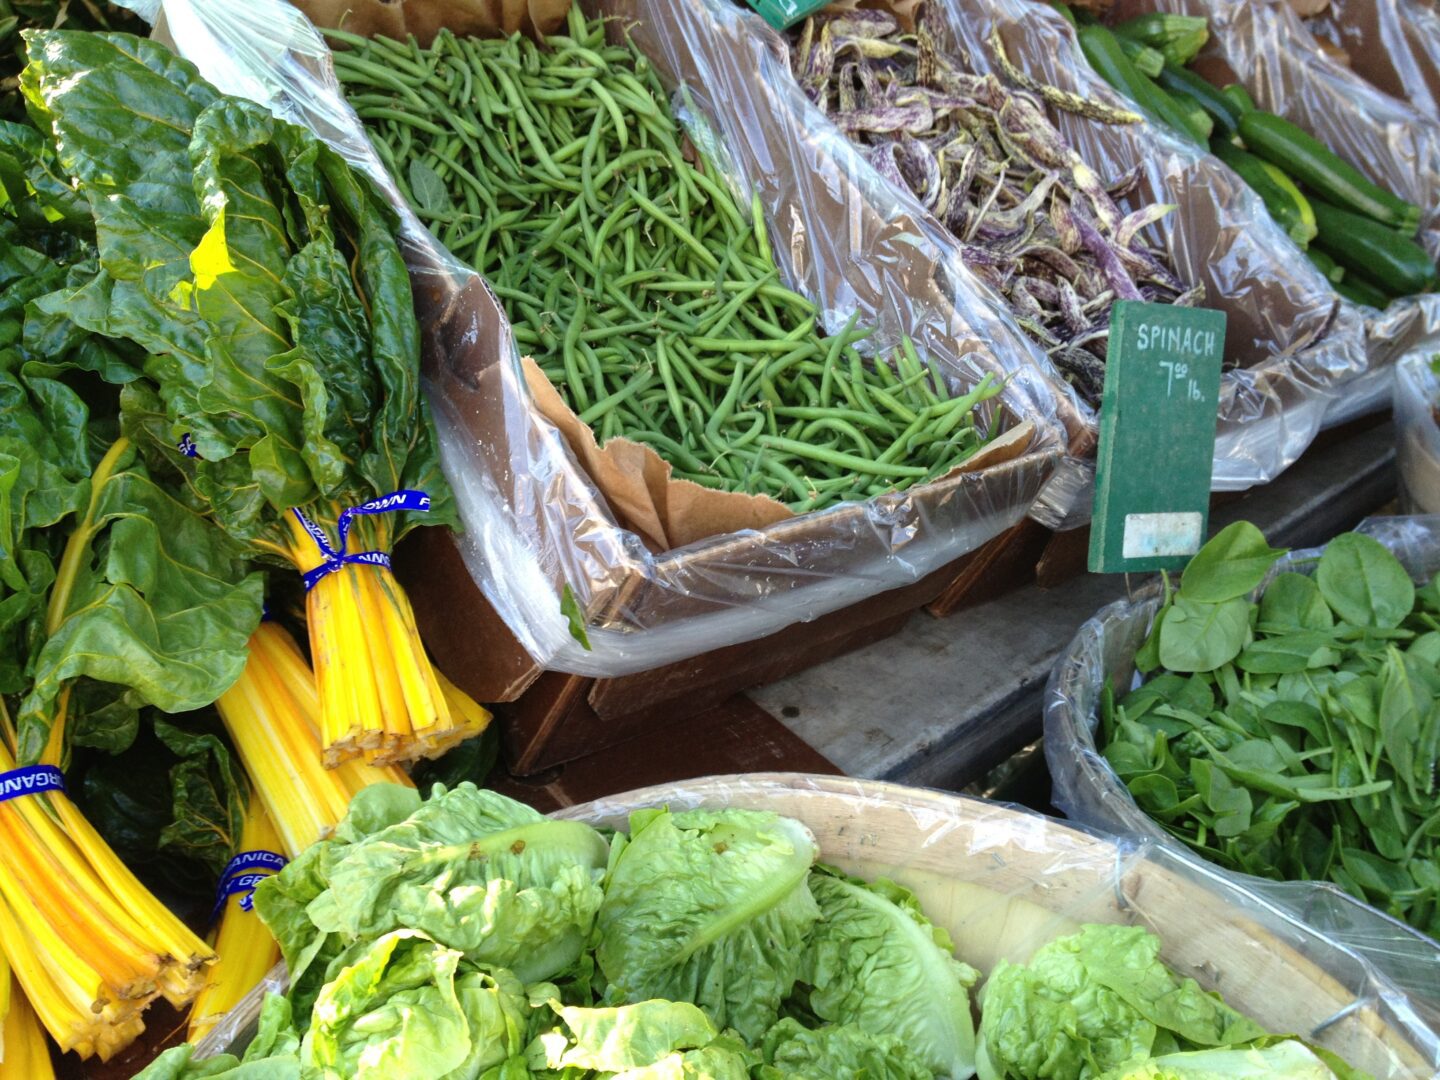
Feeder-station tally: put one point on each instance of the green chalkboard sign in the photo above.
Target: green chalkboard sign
(1157, 436)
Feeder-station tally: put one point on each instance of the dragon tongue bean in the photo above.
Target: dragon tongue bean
(1036, 223)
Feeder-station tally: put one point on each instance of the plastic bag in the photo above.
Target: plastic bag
(1087, 790)
(1394, 45)
(534, 520)
(1264, 45)
(1003, 881)
(1417, 432)
(1294, 342)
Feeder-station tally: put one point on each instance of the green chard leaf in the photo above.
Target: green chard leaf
(157, 599)
(261, 275)
(209, 794)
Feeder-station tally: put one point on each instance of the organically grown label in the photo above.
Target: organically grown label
(1157, 436)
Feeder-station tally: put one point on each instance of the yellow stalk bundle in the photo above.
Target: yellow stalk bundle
(245, 948)
(88, 943)
(273, 716)
(380, 697)
(24, 1053)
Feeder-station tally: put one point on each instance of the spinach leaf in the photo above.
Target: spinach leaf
(1278, 741)
(1198, 636)
(1364, 583)
(1231, 564)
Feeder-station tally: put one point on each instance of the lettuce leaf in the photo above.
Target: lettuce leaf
(475, 871)
(1093, 1001)
(875, 961)
(628, 1037)
(1287, 1060)
(272, 1055)
(793, 1052)
(711, 908)
(404, 1006)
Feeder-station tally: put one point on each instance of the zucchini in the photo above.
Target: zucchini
(1240, 96)
(1289, 215)
(1179, 37)
(1285, 184)
(1149, 62)
(1281, 143)
(1182, 83)
(1333, 271)
(1103, 52)
(1372, 252)
(1358, 292)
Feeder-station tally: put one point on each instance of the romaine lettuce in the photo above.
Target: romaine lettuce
(875, 961)
(473, 870)
(1093, 1001)
(404, 1006)
(711, 908)
(793, 1052)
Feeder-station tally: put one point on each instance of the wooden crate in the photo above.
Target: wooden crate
(552, 717)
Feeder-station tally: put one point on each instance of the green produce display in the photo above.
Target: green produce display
(647, 294)
(1395, 265)
(1295, 736)
(712, 948)
(1367, 231)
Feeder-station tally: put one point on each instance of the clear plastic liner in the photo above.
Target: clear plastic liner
(1087, 790)
(534, 521)
(1004, 881)
(1294, 342)
(1417, 432)
(1394, 45)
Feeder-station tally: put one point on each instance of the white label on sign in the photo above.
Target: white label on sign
(1150, 535)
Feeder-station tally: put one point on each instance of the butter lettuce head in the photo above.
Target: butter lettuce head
(875, 961)
(650, 1040)
(473, 870)
(710, 908)
(1093, 1001)
(405, 1006)
(793, 1052)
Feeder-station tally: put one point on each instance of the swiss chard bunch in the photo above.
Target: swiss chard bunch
(1294, 736)
(279, 380)
(114, 591)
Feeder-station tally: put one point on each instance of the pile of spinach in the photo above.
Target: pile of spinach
(1296, 736)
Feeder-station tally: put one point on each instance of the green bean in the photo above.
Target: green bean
(648, 294)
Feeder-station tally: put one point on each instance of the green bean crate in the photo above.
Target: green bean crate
(644, 289)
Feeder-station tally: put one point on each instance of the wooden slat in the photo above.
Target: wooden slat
(735, 737)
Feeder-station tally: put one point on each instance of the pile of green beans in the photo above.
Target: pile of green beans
(645, 293)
